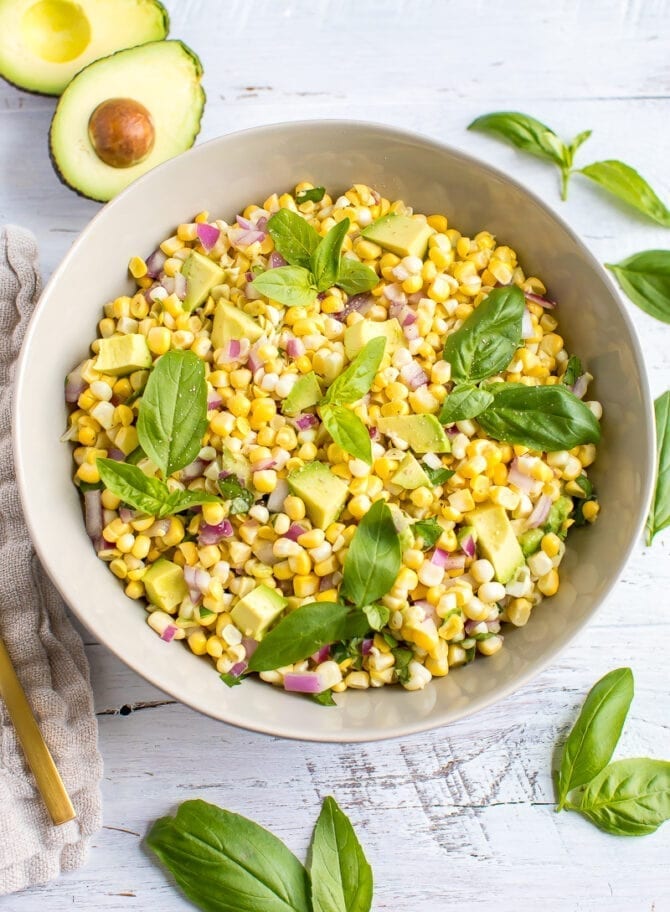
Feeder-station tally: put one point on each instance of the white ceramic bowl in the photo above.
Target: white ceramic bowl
(223, 176)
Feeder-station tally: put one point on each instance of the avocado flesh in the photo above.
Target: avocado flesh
(165, 585)
(496, 541)
(201, 275)
(400, 234)
(306, 392)
(164, 77)
(530, 541)
(121, 355)
(410, 475)
(254, 613)
(322, 492)
(356, 337)
(45, 43)
(423, 433)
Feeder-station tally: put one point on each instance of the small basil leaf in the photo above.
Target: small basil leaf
(373, 559)
(355, 277)
(429, 530)
(226, 863)
(134, 487)
(299, 634)
(544, 418)
(629, 797)
(340, 874)
(596, 732)
(326, 258)
(377, 615)
(524, 132)
(402, 658)
(659, 515)
(230, 680)
(578, 141)
(173, 411)
(486, 341)
(625, 183)
(293, 237)
(313, 195)
(184, 500)
(465, 401)
(437, 476)
(241, 498)
(645, 278)
(325, 698)
(292, 286)
(357, 379)
(347, 430)
(585, 484)
(573, 371)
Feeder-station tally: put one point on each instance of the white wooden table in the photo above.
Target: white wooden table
(460, 818)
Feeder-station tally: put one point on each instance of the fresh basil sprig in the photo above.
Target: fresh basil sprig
(373, 559)
(293, 237)
(150, 495)
(645, 278)
(326, 257)
(486, 341)
(437, 476)
(355, 277)
(533, 136)
(313, 195)
(240, 498)
(659, 515)
(465, 401)
(347, 430)
(573, 371)
(173, 411)
(293, 286)
(545, 418)
(340, 874)
(430, 531)
(624, 182)
(596, 732)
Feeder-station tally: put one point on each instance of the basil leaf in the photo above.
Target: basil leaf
(545, 418)
(313, 195)
(305, 630)
(347, 430)
(585, 484)
(240, 498)
(645, 278)
(293, 237)
(437, 476)
(573, 371)
(625, 183)
(184, 500)
(629, 797)
(340, 874)
(353, 383)
(292, 286)
(325, 698)
(596, 732)
(326, 258)
(373, 559)
(486, 342)
(355, 277)
(524, 132)
(430, 530)
(173, 411)
(465, 401)
(402, 659)
(226, 863)
(659, 515)
(230, 680)
(377, 615)
(134, 487)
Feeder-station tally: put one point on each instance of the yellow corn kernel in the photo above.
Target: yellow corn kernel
(119, 568)
(518, 611)
(134, 589)
(175, 533)
(197, 642)
(262, 411)
(439, 289)
(239, 405)
(551, 344)
(437, 662)
(286, 438)
(551, 544)
(421, 497)
(141, 547)
(397, 407)
(304, 586)
(127, 440)
(214, 647)
(413, 558)
(453, 626)
(294, 508)
(359, 506)
(548, 584)
(590, 510)
(438, 222)
(412, 284)
(159, 339)
(189, 552)
(88, 473)
(300, 564)
(266, 481)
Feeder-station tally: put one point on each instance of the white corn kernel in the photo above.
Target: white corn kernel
(491, 592)
(330, 674)
(539, 564)
(419, 676)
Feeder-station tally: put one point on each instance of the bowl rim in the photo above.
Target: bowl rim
(295, 732)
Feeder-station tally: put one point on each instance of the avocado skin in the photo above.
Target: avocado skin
(52, 155)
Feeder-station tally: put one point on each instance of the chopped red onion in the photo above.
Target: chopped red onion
(262, 223)
(470, 627)
(93, 516)
(527, 331)
(214, 401)
(295, 348)
(276, 260)
(429, 612)
(74, 384)
(448, 561)
(402, 314)
(359, 303)
(468, 546)
(208, 235)
(540, 512)
(193, 470)
(244, 223)
(372, 432)
(238, 669)
(278, 496)
(580, 386)
(366, 646)
(241, 238)
(168, 284)
(295, 531)
(520, 480)
(155, 263)
(160, 527)
(263, 464)
(543, 302)
(250, 646)
(304, 422)
(116, 454)
(321, 655)
(127, 515)
(212, 535)
(395, 294)
(197, 580)
(327, 582)
(180, 286)
(254, 362)
(169, 633)
(411, 331)
(309, 682)
(413, 375)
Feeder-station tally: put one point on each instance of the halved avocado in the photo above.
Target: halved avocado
(125, 114)
(44, 43)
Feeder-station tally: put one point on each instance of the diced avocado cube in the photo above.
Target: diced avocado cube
(322, 492)
(165, 585)
(121, 355)
(232, 323)
(403, 235)
(356, 337)
(306, 392)
(254, 613)
(559, 512)
(496, 541)
(410, 475)
(201, 275)
(530, 541)
(423, 433)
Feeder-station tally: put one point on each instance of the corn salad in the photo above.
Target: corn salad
(445, 615)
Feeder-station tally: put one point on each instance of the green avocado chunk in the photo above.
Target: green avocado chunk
(423, 433)
(559, 512)
(322, 492)
(44, 44)
(125, 114)
(401, 234)
(165, 585)
(496, 541)
(121, 355)
(254, 613)
(410, 475)
(306, 392)
(356, 337)
(232, 323)
(530, 541)
(201, 275)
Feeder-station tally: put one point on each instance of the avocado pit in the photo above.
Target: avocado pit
(121, 132)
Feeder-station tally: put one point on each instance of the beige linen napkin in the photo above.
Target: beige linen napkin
(46, 651)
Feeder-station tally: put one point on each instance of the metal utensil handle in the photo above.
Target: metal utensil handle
(39, 758)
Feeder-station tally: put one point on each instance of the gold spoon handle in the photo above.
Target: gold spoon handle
(39, 759)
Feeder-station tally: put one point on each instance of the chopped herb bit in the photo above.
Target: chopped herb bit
(430, 530)
(240, 498)
(314, 195)
(325, 698)
(573, 371)
(230, 680)
(402, 659)
(437, 476)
